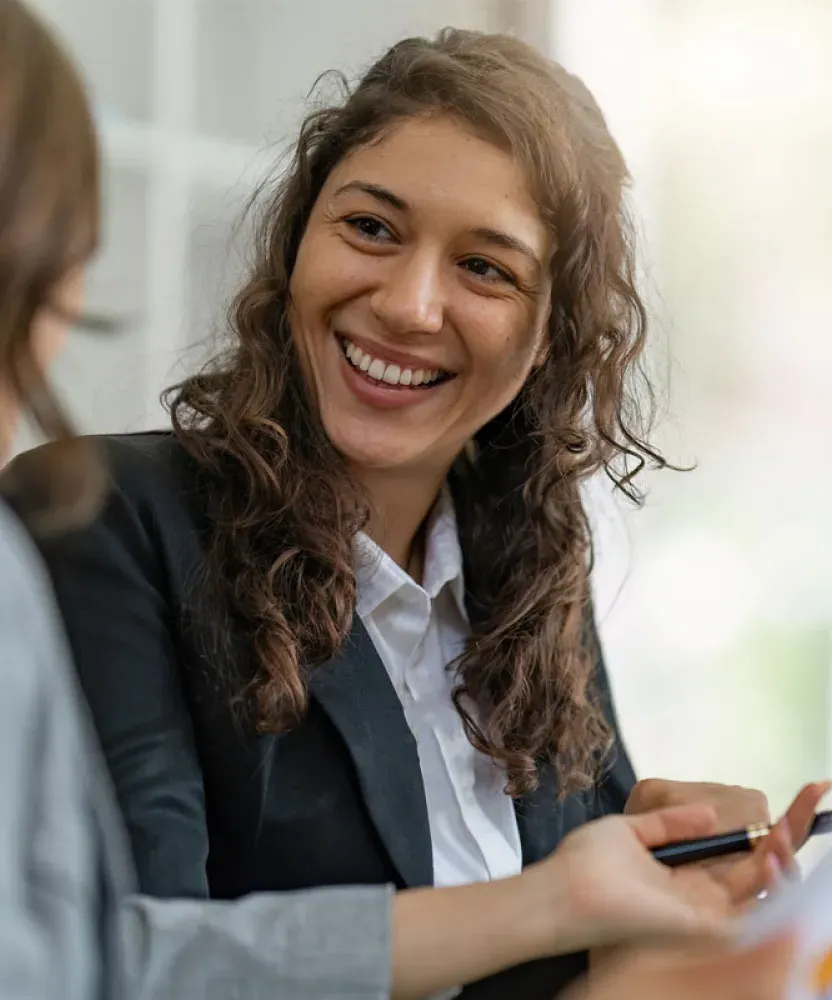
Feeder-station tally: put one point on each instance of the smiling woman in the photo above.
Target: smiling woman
(335, 627)
(460, 216)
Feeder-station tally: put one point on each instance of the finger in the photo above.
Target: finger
(707, 897)
(691, 907)
(801, 812)
(699, 932)
(650, 794)
(748, 878)
(745, 877)
(678, 823)
(779, 844)
(772, 877)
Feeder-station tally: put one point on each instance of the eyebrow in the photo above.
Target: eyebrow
(375, 191)
(496, 237)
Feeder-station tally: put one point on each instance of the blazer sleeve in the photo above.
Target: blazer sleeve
(332, 942)
(24, 943)
(48, 883)
(110, 582)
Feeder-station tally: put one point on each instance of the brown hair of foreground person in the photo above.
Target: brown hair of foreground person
(49, 191)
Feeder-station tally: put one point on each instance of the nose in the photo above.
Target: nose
(409, 300)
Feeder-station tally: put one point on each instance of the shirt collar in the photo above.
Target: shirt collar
(379, 577)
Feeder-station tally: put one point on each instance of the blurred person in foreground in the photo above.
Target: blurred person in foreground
(70, 925)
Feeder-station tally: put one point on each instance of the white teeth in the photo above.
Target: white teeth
(377, 369)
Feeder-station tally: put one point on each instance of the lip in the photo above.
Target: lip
(392, 357)
(379, 395)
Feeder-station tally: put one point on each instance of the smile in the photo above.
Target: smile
(391, 375)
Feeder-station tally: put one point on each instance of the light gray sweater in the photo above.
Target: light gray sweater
(69, 926)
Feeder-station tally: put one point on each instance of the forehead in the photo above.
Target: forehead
(443, 170)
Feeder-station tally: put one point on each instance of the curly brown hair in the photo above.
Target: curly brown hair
(284, 507)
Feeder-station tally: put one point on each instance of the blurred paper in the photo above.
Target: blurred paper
(806, 910)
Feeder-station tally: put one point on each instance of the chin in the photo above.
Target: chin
(376, 449)
(376, 459)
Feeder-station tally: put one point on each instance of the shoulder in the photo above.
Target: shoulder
(136, 464)
(156, 478)
(152, 467)
(131, 458)
(152, 483)
(146, 542)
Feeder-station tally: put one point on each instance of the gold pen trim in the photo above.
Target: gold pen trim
(757, 832)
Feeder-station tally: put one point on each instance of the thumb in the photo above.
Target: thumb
(801, 812)
(663, 826)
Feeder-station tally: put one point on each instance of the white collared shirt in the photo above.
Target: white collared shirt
(417, 631)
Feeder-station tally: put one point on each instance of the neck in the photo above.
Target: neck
(399, 504)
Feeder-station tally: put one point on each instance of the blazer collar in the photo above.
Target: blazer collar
(356, 692)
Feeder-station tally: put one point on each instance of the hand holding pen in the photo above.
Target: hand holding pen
(739, 877)
(801, 821)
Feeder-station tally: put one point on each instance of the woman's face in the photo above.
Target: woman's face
(420, 295)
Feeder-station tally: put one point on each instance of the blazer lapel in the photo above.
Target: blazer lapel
(357, 694)
(541, 818)
(544, 819)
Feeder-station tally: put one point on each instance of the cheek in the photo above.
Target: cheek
(48, 335)
(306, 302)
(504, 352)
(301, 283)
(326, 273)
(50, 327)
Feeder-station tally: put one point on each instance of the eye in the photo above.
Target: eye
(487, 271)
(370, 228)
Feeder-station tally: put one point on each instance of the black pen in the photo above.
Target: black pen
(684, 852)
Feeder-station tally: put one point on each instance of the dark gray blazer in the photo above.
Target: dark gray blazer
(69, 926)
(213, 809)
